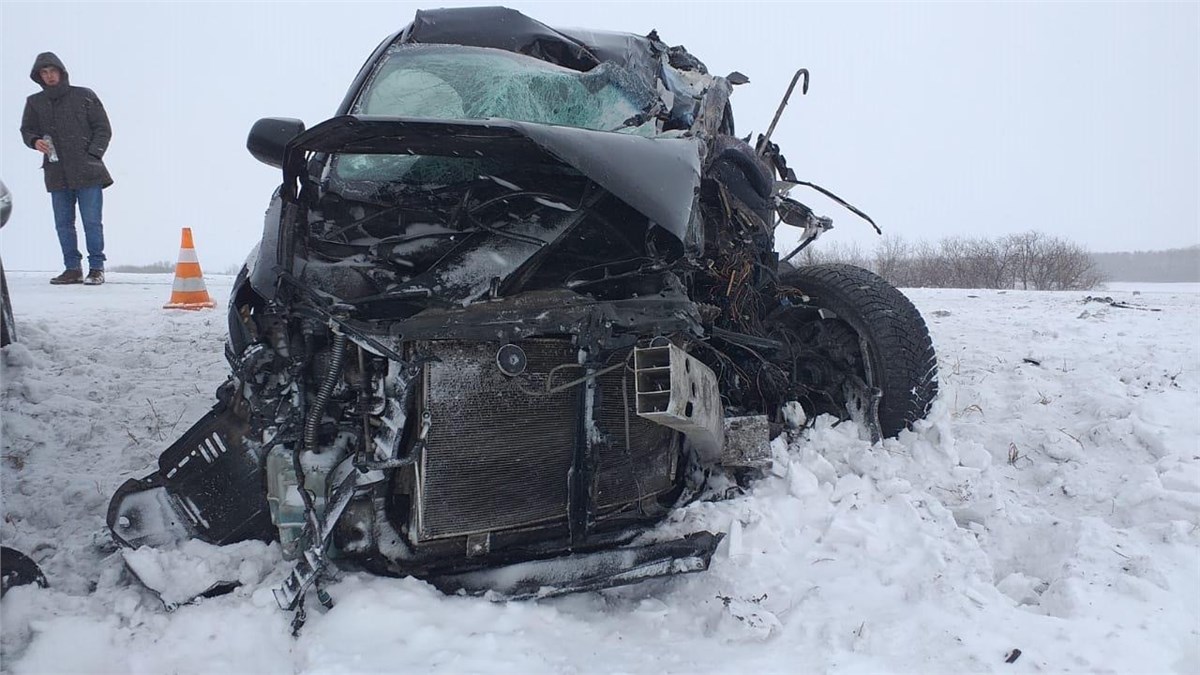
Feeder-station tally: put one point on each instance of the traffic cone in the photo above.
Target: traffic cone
(189, 291)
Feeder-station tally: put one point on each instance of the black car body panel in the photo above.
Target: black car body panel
(658, 177)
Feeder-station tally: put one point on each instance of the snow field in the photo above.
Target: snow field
(1050, 503)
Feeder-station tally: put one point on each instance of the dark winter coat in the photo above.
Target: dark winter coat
(75, 120)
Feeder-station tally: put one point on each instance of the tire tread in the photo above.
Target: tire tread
(893, 328)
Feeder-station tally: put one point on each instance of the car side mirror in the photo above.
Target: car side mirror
(269, 137)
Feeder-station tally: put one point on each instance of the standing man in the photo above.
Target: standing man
(69, 127)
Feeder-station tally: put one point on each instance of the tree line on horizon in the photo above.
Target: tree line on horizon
(163, 267)
(1170, 265)
(1029, 261)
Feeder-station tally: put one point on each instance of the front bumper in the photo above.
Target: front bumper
(586, 571)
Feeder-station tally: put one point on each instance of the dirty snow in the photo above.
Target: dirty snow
(1050, 503)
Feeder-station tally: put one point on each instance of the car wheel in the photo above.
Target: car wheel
(848, 325)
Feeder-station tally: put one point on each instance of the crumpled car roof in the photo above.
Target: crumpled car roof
(508, 29)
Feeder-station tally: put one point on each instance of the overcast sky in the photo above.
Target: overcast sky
(1081, 120)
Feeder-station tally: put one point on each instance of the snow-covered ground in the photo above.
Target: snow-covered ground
(1051, 504)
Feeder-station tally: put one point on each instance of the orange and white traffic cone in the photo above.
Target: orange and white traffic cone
(189, 291)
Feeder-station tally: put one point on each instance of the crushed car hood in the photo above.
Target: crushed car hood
(659, 177)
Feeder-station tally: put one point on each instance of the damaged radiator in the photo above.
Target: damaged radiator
(500, 449)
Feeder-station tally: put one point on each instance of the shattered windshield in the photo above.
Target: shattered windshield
(455, 82)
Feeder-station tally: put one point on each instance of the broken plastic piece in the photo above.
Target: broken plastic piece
(676, 390)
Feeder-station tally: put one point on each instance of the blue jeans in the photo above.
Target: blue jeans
(91, 203)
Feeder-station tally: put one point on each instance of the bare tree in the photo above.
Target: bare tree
(1026, 249)
(890, 257)
(1066, 266)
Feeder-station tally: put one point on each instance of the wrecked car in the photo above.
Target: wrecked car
(512, 305)
(8, 327)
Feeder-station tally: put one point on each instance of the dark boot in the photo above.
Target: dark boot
(94, 278)
(68, 277)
